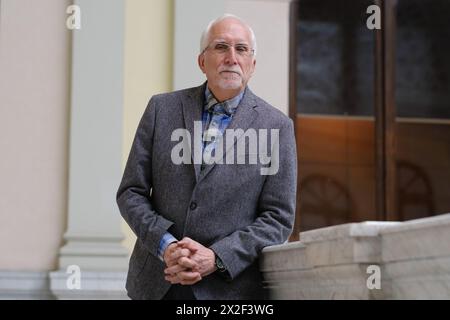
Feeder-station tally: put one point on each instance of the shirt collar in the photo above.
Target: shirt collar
(229, 105)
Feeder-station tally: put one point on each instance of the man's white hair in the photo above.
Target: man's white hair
(204, 40)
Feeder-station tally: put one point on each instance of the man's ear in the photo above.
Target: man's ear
(201, 62)
(253, 67)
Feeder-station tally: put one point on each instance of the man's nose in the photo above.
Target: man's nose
(230, 56)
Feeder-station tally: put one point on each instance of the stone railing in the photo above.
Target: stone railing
(367, 260)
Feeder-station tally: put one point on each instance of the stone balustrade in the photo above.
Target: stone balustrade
(367, 260)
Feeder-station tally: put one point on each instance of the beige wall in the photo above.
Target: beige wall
(34, 116)
(34, 121)
(148, 65)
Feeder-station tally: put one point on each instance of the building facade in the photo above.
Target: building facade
(76, 77)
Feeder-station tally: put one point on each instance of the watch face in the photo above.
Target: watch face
(219, 264)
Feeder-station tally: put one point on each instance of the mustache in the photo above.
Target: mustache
(228, 69)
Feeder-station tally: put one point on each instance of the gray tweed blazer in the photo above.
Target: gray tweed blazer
(231, 208)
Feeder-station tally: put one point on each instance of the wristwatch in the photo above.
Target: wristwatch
(219, 265)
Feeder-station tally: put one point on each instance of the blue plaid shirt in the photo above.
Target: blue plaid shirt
(216, 118)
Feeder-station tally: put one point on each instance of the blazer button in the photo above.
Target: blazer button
(193, 205)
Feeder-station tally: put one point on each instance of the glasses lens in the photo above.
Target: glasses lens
(242, 49)
(223, 47)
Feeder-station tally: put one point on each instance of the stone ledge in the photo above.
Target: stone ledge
(25, 285)
(331, 263)
(362, 229)
(94, 285)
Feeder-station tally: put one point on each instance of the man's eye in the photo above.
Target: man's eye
(242, 48)
(221, 46)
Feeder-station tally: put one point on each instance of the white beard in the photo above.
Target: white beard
(232, 82)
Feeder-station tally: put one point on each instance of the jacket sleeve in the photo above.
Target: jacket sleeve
(133, 195)
(276, 209)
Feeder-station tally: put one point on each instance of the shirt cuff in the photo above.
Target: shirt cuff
(166, 239)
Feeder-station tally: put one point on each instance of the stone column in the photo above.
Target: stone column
(93, 238)
(34, 114)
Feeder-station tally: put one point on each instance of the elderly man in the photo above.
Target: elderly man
(201, 225)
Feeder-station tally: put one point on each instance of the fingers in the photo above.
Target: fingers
(186, 240)
(182, 265)
(177, 254)
(187, 263)
(184, 278)
(182, 268)
(188, 243)
(173, 270)
(170, 248)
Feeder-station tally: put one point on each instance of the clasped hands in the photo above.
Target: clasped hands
(188, 262)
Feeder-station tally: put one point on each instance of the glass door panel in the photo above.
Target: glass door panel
(423, 108)
(335, 114)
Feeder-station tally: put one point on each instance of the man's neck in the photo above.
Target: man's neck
(223, 95)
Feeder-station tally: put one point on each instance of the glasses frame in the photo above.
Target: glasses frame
(250, 53)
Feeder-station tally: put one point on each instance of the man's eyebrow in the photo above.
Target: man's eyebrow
(240, 41)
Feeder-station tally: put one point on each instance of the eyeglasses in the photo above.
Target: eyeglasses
(223, 47)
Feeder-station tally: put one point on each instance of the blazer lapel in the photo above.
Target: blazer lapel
(192, 112)
(242, 119)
